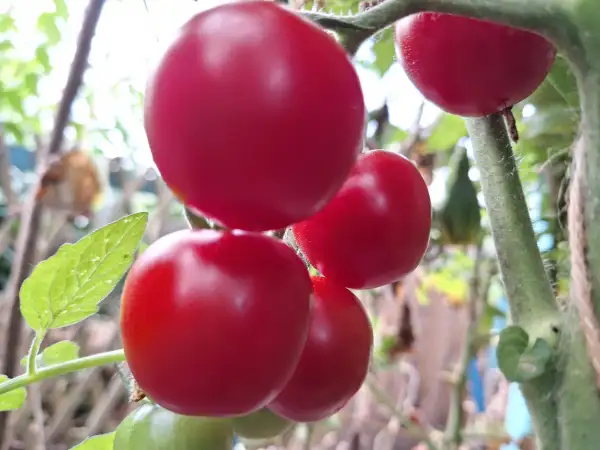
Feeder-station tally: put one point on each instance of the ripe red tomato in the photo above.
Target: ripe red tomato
(151, 427)
(471, 67)
(376, 229)
(213, 323)
(254, 116)
(335, 359)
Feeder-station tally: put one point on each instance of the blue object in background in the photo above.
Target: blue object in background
(476, 385)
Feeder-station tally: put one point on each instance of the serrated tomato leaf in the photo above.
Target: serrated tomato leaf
(13, 399)
(60, 352)
(67, 287)
(519, 361)
(99, 442)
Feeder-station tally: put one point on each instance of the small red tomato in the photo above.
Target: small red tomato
(376, 229)
(213, 323)
(471, 67)
(254, 116)
(335, 359)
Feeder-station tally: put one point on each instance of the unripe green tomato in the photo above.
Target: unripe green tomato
(151, 427)
(262, 424)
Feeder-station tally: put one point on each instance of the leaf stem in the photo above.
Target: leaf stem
(55, 370)
(36, 343)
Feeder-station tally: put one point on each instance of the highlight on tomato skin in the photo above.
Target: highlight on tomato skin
(213, 322)
(376, 229)
(335, 359)
(470, 67)
(239, 117)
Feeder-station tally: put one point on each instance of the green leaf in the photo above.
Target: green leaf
(46, 23)
(61, 9)
(67, 287)
(42, 56)
(6, 45)
(13, 399)
(519, 361)
(31, 82)
(15, 130)
(7, 23)
(14, 99)
(60, 352)
(385, 52)
(99, 442)
(447, 132)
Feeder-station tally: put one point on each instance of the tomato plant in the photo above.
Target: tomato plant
(213, 323)
(151, 427)
(262, 424)
(471, 67)
(377, 227)
(335, 359)
(238, 116)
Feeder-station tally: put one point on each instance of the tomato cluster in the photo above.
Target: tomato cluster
(258, 125)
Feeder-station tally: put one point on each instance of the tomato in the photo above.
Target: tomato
(376, 229)
(335, 359)
(262, 424)
(254, 116)
(213, 322)
(151, 427)
(471, 67)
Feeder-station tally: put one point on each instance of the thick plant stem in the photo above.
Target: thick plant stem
(527, 285)
(56, 370)
(548, 17)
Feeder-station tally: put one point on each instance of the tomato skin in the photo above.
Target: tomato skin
(335, 359)
(376, 229)
(256, 123)
(262, 424)
(151, 427)
(213, 323)
(471, 67)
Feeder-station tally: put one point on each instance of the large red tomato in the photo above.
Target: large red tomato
(213, 323)
(376, 229)
(471, 67)
(254, 116)
(335, 360)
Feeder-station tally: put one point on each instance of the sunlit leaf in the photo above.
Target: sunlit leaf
(99, 442)
(13, 399)
(46, 23)
(385, 52)
(67, 287)
(447, 133)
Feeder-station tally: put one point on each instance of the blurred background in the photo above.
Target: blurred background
(435, 329)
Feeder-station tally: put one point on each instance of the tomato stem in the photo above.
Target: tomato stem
(548, 17)
(55, 370)
(532, 302)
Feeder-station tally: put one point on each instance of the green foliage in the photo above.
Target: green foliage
(100, 442)
(67, 287)
(12, 400)
(517, 359)
(60, 352)
(448, 130)
(20, 75)
(385, 52)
